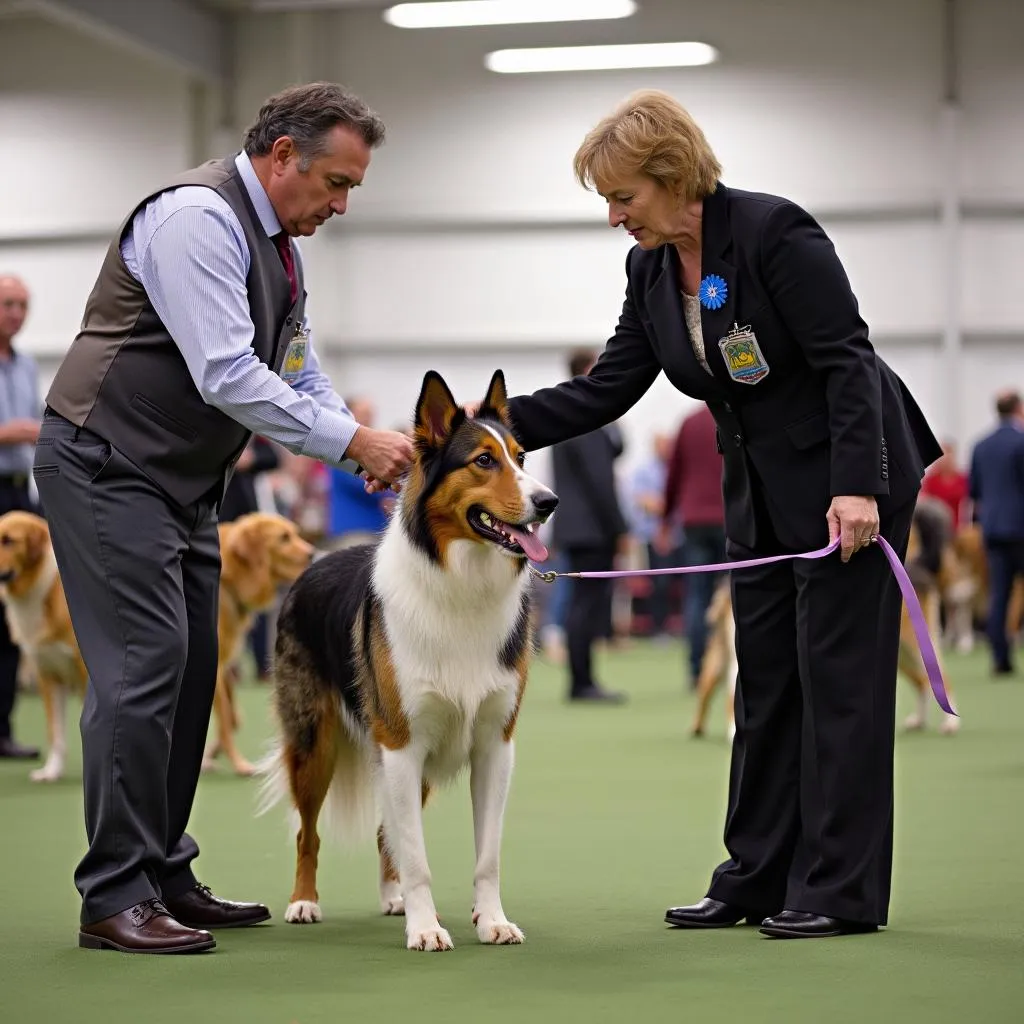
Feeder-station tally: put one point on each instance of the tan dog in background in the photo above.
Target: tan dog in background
(40, 625)
(719, 663)
(260, 553)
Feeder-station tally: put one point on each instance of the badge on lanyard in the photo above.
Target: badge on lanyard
(743, 356)
(295, 355)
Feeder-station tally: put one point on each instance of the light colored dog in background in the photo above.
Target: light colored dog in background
(40, 625)
(930, 543)
(719, 662)
(260, 553)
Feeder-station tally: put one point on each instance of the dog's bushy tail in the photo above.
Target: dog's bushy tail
(349, 814)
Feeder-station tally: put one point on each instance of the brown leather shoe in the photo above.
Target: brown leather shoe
(145, 928)
(199, 908)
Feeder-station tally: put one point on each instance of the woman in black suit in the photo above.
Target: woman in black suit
(741, 300)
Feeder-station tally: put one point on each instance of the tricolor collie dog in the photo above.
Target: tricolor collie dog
(40, 625)
(398, 664)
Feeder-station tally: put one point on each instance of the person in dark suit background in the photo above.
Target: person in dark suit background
(741, 300)
(997, 490)
(259, 456)
(589, 530)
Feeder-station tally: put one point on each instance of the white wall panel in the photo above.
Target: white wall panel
(87, 128)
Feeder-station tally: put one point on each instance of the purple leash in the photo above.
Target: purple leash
(917, 619)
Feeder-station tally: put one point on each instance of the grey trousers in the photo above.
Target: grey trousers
(141, 576)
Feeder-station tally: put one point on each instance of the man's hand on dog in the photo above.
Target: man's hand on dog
(384, 455)
(854, 519)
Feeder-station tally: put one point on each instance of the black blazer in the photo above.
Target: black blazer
(589, 515)
(829, 418)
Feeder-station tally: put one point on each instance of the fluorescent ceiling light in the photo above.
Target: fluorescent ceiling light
(600, 58)
(504, 12)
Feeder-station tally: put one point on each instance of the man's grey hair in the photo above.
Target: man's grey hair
(307, 114)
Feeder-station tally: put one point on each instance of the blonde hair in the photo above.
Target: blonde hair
(649, 133)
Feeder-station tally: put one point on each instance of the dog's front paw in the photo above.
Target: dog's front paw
(392, 906)
(950, 725)
(303, 912)
(913, 723)
(432, 939)
(243, 767)
(497, 931)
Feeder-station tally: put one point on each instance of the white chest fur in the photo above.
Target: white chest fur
(26, 615)
(446, 629)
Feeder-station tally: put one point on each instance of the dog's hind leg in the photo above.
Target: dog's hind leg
(310, 773)
(227, 721)
(711, 670)
(390, 885)
(54, 697)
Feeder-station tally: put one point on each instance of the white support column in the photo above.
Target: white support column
(952, 420)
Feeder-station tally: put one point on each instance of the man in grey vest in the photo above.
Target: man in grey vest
(193, 339)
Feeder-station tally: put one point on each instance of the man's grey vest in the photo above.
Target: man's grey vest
(125, 379)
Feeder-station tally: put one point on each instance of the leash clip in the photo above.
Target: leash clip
(547, 577)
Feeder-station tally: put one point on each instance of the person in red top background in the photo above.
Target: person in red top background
(947, 483)
(694, 502)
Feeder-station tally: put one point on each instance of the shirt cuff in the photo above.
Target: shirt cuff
(329, 436)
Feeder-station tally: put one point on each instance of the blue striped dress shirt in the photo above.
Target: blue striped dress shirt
(187, 249)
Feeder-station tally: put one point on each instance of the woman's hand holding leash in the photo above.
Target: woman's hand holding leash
(854, 520)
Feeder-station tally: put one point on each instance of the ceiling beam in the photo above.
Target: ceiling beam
(193, 39)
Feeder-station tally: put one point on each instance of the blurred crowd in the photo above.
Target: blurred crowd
(666, 511)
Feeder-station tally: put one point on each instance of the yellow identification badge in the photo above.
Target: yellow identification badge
(295, 355)
(743, 356)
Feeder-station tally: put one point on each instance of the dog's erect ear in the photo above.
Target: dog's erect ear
(496, 401)
(436, 411)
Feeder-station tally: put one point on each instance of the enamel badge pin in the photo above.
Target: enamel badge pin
(743, 356)
(713, 292)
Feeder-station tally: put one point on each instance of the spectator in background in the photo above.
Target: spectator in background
(240, 498)
(20, 408)
(646, 514)
(997, 489)
(693, 501)
(948, 483)
(590, 530)
(353, 515)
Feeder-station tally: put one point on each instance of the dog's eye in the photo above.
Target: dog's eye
(485, 460)
(6, 541)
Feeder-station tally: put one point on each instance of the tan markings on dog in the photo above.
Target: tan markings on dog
(310, 773)
(260, 553)
(522, 671)
(494, 489)
(388, 723)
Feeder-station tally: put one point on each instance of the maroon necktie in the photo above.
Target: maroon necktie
(284, 248)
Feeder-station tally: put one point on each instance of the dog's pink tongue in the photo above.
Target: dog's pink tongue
(531, 545)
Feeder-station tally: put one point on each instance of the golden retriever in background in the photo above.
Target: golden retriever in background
(260, 553)
(40, 625)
